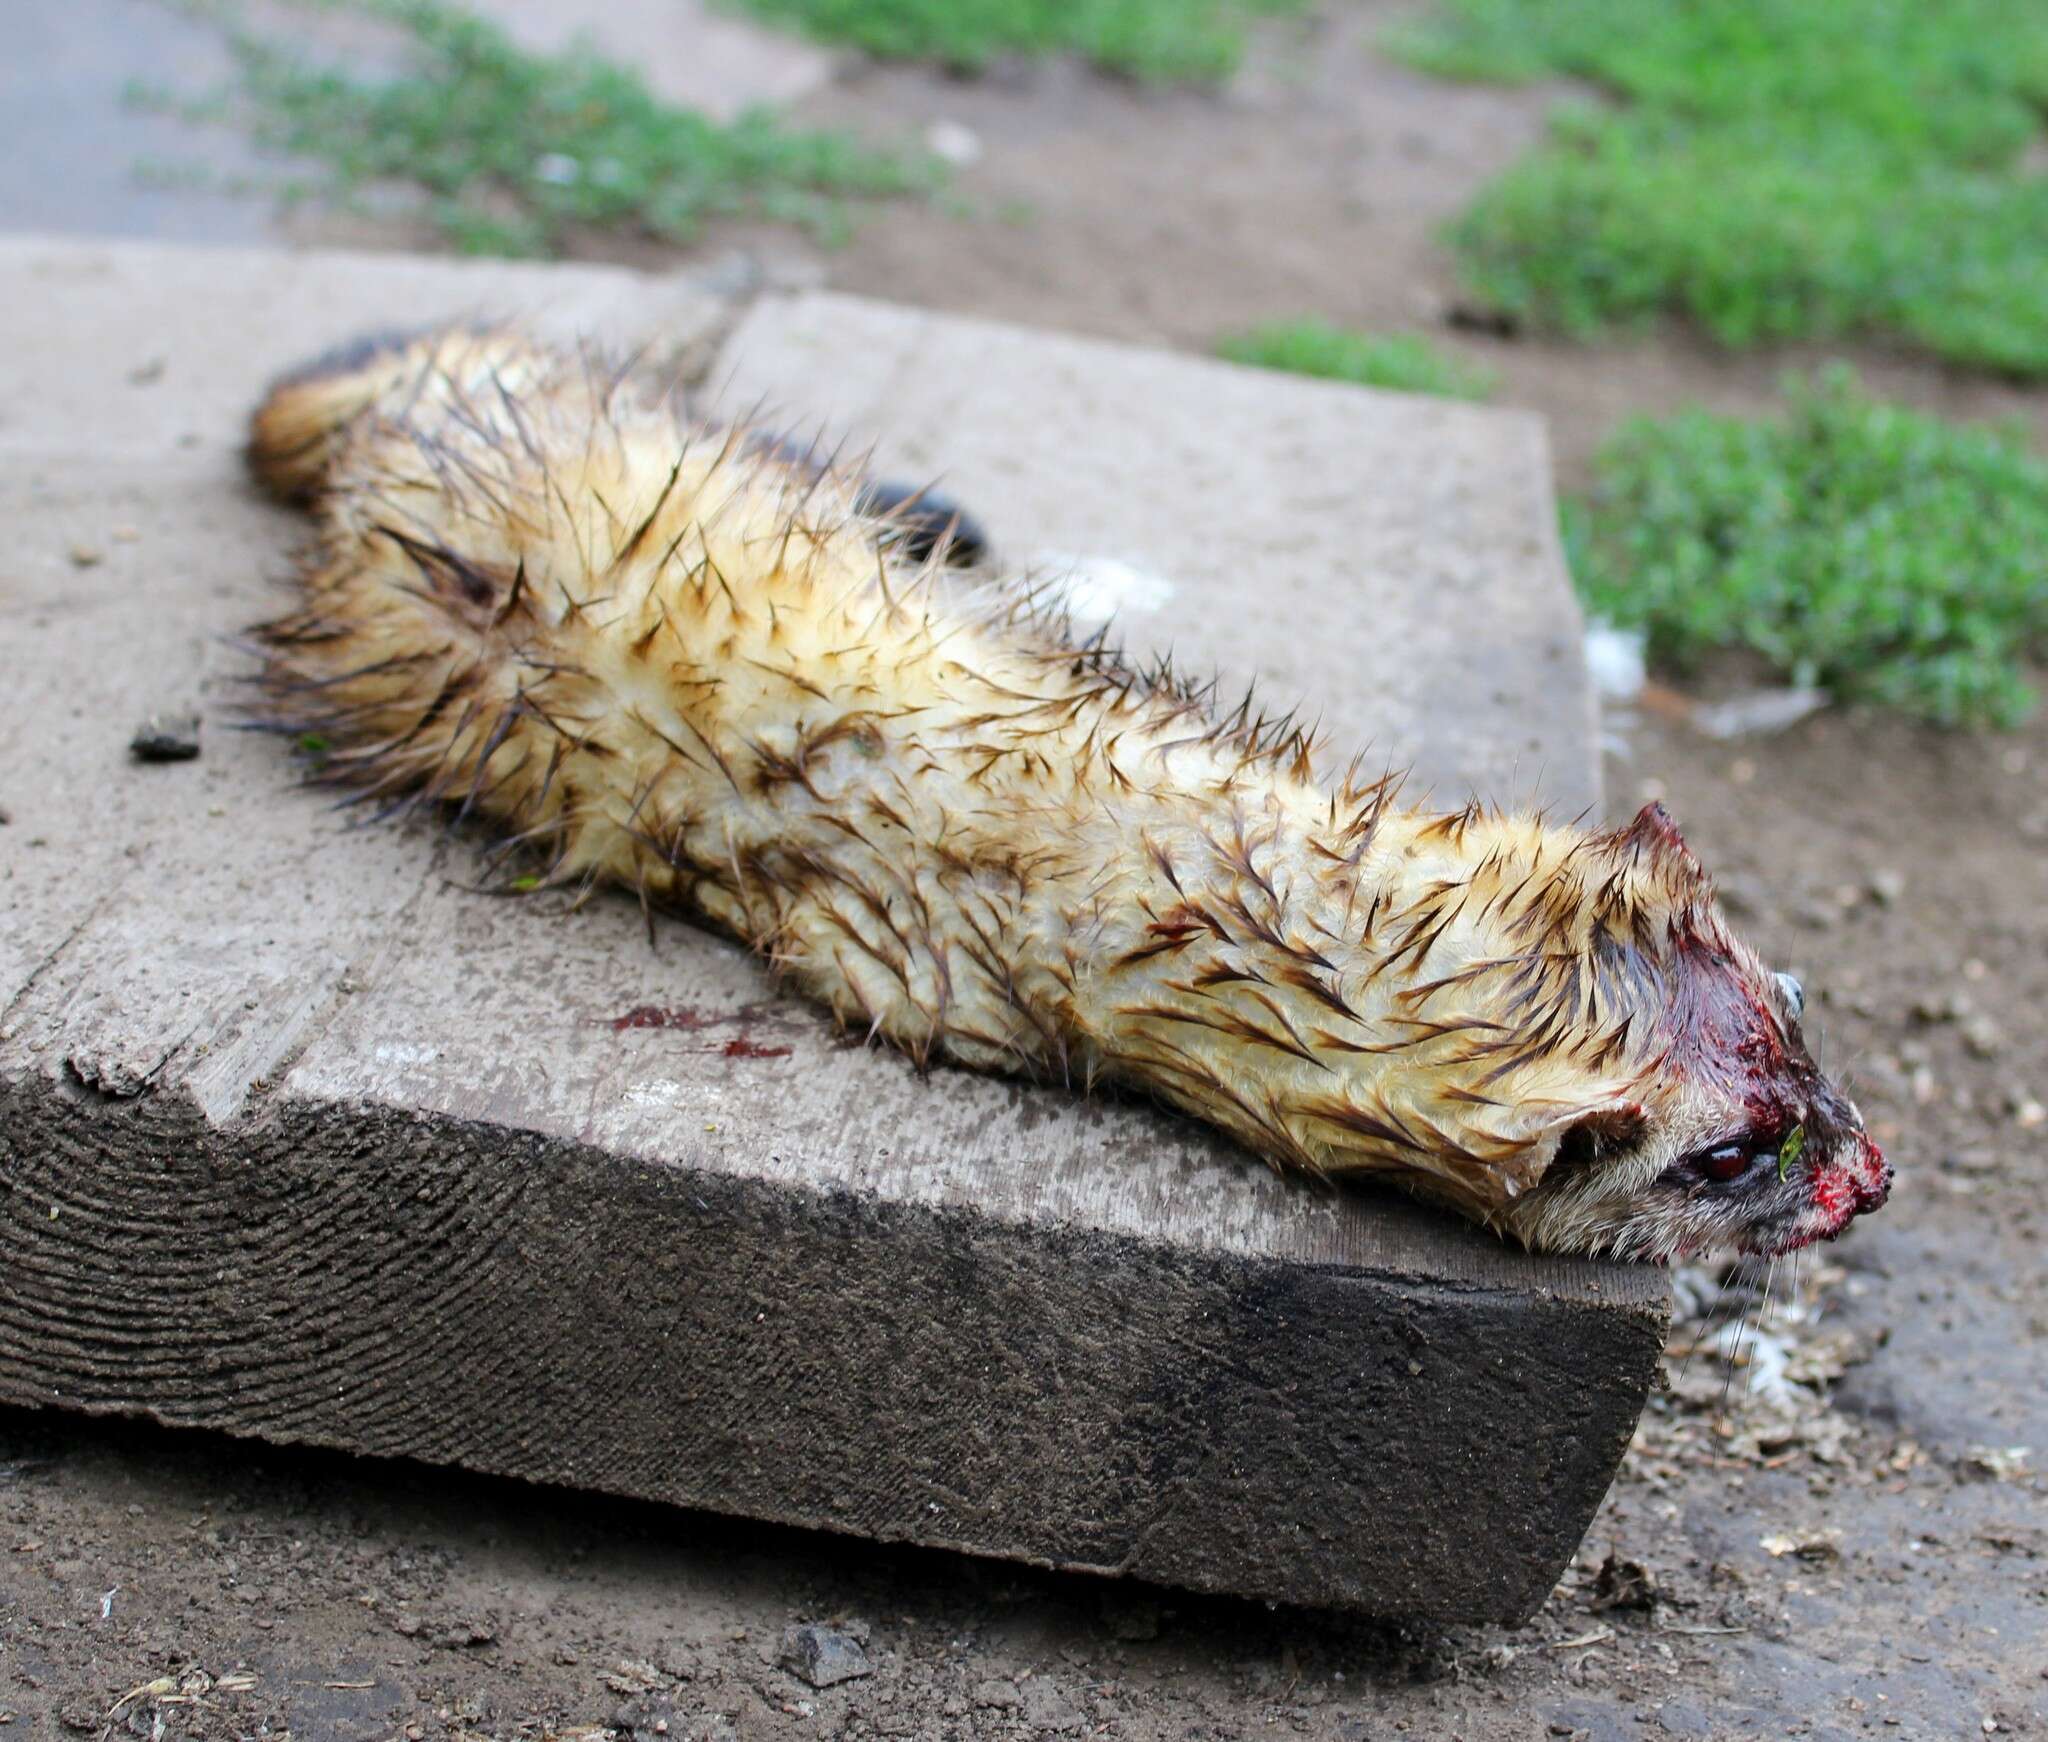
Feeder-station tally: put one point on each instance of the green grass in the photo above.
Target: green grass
(1878, 551)
(1772, 169)
(1153, 40)
(1403, 361)
(512, 151)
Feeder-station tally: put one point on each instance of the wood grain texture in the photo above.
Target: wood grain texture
(301, 1138)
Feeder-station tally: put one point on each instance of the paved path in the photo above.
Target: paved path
(77, 158)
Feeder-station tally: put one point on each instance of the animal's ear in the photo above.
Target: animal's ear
(1655, 835)
(1653, 842)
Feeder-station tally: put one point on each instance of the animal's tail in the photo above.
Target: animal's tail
(304, 425)
(310, 417)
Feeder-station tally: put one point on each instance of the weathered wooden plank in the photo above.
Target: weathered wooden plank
(158, 913)
(301, 1138)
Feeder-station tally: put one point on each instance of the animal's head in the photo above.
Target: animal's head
(1650, 1069)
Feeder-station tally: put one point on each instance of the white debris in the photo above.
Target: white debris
(952, 143)
(1615, 658)
(1999, 1463)
(1756, 712)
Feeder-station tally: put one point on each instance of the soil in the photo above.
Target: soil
(1830, 1526)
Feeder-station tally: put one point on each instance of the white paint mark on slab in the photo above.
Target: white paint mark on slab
(1101, 587)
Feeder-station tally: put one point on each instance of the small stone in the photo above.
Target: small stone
(1886, 887)
(126, 534)
(85, 556)
(1983, 1037)
(2028, 1114)
(1816, 1547)
(646, 1715)
(1047, 1710)
(997, 1696)
(166, 738)
(823, 1656)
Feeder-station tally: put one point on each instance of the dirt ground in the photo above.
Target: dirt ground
(1838, 1534)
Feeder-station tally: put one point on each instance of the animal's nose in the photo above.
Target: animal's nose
(1873, 1179)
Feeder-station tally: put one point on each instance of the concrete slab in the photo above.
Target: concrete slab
(301, 1139)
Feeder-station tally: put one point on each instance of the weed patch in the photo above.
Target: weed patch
(1154, 40)
(1878, 551)
(513, 150)
(1771, 169)
(1403, 361)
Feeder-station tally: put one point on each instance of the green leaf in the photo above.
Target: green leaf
(1790, 1150)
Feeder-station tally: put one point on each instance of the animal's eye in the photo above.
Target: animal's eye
(1793, 993)
(1730, 1162)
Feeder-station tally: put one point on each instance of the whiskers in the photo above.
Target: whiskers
(1737, 1315)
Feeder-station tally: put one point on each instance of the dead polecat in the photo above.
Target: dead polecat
(682, 660)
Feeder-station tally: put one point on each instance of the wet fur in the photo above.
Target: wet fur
(681, 660)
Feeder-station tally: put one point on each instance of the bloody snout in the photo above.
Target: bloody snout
(1852, 1186)
(1872, 1176)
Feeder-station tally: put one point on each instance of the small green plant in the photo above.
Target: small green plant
(1770, 169)
(513, 150)
(1877, 551)
(1156, 40)
(1404, 361)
